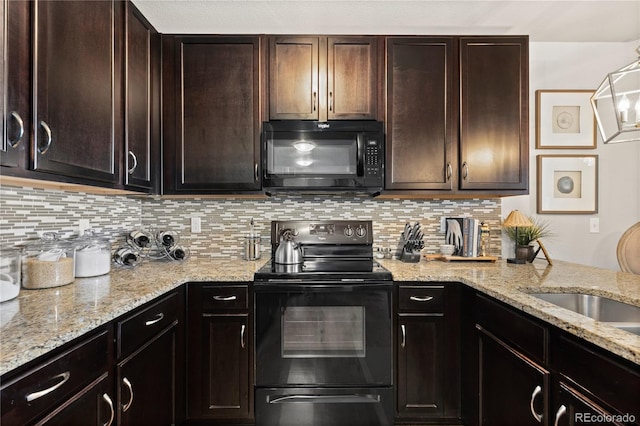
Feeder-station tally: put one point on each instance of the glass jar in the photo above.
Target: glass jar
(93, 255)
(9, 273)
(48, 262)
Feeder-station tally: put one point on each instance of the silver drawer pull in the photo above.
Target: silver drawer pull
(421, 298)
(35, 395)
(404, 336)
(47, 130)
(126, 406)
(106, 398)
(156, 319)
(535, 393)
(15, 142)
(135, 162)
(242, 336)
(561, 412)
(225, 298)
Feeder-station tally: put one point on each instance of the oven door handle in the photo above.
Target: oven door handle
(318, 287)
(326, 399)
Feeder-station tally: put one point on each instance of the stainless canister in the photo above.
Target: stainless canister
(252, 247)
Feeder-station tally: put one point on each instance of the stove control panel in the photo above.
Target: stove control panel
(325, 232)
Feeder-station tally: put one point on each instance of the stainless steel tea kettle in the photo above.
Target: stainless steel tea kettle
(288, 251)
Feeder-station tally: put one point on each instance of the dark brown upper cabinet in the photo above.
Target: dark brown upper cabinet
(323, 78)
(494, 105)
(211, 113)
(77, 99)
(457, 115)
(421, 130)
(15, 85)
(142, 101)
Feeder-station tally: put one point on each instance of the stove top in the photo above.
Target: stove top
(321, 270)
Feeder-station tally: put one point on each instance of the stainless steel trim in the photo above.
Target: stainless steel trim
(106, 398)
(39, 394)
(242, 345)
(326, 399)
(225, 298)
(421, 298)
(135, 162)
(47, 130)
(155, 320)
(537, 391)
(404, 336)
(15, 142)
(126, 406)
(561, 412)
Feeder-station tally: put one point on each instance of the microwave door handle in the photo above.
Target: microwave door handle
(360, 154)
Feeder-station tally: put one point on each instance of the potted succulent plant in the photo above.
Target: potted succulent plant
(527, 235)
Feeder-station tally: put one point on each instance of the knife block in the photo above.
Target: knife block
(410, 257)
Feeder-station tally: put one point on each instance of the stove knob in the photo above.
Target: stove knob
(348, 231)
(361, 231)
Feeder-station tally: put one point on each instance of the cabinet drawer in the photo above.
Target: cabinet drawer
(137, 329)
(512, 327)
(224, 297)
(47, 386)
(421, 299)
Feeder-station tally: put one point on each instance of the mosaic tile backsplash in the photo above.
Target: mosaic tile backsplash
(225, 222)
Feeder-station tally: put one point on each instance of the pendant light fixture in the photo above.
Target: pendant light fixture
(616, 104)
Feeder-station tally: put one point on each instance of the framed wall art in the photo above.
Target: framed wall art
(565, 119)
(567, 184)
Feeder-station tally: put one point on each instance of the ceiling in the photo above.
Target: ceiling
(543, 21)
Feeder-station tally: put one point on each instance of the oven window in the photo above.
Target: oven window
(298, 156)
(323, 331)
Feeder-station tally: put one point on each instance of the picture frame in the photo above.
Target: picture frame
(567, 184)
(565, 119)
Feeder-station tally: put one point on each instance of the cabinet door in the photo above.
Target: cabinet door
(14, 85)
(352, 78)
(295, 92)
(494, 131)
(513, 390)
(141, 112)
(93, 406)
(421, 113)
(574, 408)
(217, 136)
(77, 128)
(147, 383)
(420, 365)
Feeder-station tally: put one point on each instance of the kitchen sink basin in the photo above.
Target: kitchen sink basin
(618, 314)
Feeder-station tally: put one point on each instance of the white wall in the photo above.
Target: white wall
(583, 66)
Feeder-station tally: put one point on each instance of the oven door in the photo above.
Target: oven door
(323, 334)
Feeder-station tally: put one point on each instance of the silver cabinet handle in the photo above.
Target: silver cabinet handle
(330, 101)
(225, 298)
(39, 394)
(126, 406)
(47, 130)
(465, 170)
(156, 319)
(106, 398)
(135, 162)
(255, 172)
(537, 391)
(242, 336)
(561, 412)
(325, 399)
(314, 100)
(15, 142)
(404, 336)
(421, 298)
(449, 171)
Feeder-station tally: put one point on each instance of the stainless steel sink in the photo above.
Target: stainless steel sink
(612, 312)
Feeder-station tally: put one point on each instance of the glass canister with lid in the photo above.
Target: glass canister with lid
(93, 255)
(49, 262)
(9, 273)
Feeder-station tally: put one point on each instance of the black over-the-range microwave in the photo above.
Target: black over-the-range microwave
(323, 156)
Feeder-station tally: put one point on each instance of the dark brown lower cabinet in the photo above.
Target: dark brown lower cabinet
(219, 354)
(427, 353)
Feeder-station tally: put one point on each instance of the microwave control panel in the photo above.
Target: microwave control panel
(372, 157)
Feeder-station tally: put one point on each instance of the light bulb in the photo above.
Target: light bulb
(304, 146)
(623, 108)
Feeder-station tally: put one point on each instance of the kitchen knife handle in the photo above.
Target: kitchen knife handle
(535, 393)
(561, 412)
(135, 162)
(242, 344)
(421, 298)
(449, 171)
(126, 406)
(15, 142)
(106, 398)
(404, 336)
(39, 394)
(465, 170)
(47, 130)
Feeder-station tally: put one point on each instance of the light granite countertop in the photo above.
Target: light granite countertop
(41, 320)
